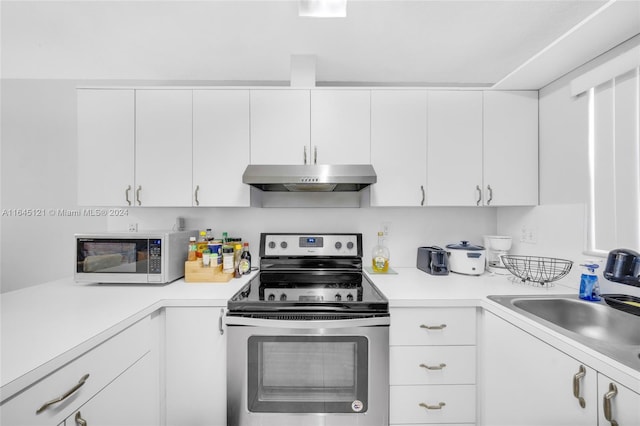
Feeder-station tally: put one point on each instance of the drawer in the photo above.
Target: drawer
(457, 404)
(450, 365)
(102, 363)
(433, 326)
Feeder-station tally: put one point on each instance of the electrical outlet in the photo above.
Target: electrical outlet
(528, 234)
(386, 228)
(133, 227)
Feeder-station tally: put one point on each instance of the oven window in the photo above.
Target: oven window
(113, 256)
(308, 374)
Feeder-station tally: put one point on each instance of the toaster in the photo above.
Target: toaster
(433, 260)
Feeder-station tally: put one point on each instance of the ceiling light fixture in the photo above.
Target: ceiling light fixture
(323, 8)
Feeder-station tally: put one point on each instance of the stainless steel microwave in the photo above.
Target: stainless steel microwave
(131, 258)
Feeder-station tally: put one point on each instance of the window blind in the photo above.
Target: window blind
(614, 155)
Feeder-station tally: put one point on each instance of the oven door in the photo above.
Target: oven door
(308, 372)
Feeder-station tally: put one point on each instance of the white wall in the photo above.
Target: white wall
(560, 219)
(38, 174)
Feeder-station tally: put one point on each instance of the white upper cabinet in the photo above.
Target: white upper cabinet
(399, 147)
(106, 147)
(163, 147)
(220, 147)
(340, 127)
(511, 148)
(454, 148)
(280, 126)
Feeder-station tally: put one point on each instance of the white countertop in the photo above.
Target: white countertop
(45, 326)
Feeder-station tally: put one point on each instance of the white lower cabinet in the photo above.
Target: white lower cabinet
(619, 405)
(432, 366)
(130, 400)
(88, 379)
(195, 365)
(526, 382)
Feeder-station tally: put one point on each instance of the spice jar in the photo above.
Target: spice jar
(227, 259)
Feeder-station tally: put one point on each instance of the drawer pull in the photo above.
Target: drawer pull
(432, 407)
(79, 420)
(433, 327)
(576, 385)
(66, 395)
(608, 415)
(433, 367)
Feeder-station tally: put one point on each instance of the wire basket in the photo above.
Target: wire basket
(536, 269)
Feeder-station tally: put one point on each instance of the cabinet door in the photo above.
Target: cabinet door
(454, 148)
(511, 148)
(105, 147)
(399, 147)
(622, 402)
(524, 381)
(220, 147)
(196, 364)
(132, 399)
(340, 127)
(163, 147)
(280, 126)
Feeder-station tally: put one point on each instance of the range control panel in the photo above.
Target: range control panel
(311, 295)
(311, 244)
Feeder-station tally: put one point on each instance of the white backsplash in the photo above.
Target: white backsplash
(409, 228)
(558, 231)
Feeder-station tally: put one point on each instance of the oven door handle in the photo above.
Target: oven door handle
(308, 324)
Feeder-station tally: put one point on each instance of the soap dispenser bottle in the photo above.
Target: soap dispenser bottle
(589, 287)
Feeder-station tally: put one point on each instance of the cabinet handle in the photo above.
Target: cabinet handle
(432, 407)
(576, 385)
(434, 367)
(433, 327)
(479, 200)
(66, 395)
(490, 194)
(220, 322)
(423, 195)
(315, 154)
(305, 154)
(79, 420)
(613, 391)
(138, 194)
(196, 195)
(126, 194)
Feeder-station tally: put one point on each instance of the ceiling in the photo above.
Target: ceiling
(393, 42)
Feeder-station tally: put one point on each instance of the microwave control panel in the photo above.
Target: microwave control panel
(155, 256)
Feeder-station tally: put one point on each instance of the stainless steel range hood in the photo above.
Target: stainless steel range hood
(310, 178)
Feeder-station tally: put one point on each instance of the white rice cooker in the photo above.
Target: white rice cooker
(466, 258)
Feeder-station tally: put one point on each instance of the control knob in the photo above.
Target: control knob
(350, 297)
(338, 297)
(338, 245)
(272, 297)
(283, 297)
(350, 245)
(272, 244)
(283, 244)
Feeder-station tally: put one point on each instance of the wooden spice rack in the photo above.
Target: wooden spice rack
(196, 272)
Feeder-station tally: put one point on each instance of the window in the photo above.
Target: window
(614, 164)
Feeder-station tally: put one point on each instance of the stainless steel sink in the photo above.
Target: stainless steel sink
(594, 324)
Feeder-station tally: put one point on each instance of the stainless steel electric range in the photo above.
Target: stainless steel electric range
(308, 337)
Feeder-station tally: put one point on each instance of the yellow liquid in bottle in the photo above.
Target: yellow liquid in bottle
(380, 264)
